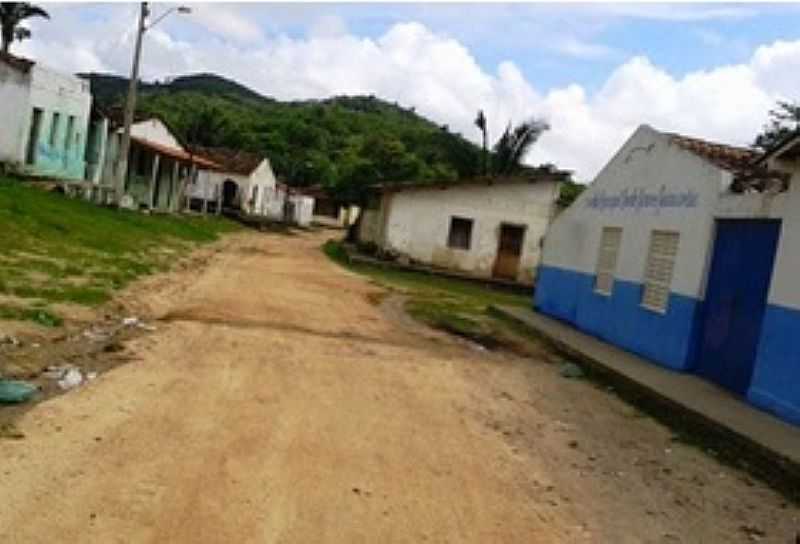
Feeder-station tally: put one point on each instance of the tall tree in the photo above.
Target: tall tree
(480, 122)
(783, 120)
(11, 15)
(515, 142)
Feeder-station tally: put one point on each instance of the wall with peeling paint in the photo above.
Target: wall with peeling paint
(59, 150)
(416, 223)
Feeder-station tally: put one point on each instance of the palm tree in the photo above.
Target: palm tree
(11, 15)
(512, 146)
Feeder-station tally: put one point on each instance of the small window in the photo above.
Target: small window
(610, 241)
(54, 128)
(460, 236)
(659, 268)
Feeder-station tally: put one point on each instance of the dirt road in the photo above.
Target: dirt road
(276, 403)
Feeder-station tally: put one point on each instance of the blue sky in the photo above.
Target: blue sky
(594, 71)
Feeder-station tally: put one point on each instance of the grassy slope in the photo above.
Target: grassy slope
(57, 250)
(457, 306)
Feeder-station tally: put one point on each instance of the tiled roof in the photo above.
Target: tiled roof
(530, 175)
(179, 154)
(727, 157)
(749, 173)
(230, 160)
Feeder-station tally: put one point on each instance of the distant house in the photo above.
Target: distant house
(159, 166)
(484, 227)
(328, 211)
(686, 252)
(44, 119)
(243, 182)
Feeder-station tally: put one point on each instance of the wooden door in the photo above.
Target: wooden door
(509, 250)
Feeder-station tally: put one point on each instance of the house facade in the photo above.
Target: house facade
(485, 227)
(159, 167)
(242, 182)
(45, 119)
(681, 251)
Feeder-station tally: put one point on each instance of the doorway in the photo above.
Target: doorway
(509, 251)
(33, 136)
(736, 298)
(230, 193)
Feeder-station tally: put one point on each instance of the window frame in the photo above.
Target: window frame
(450, 233)
(655, 282)
(612, 270)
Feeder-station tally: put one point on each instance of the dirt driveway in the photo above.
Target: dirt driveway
(276, 403)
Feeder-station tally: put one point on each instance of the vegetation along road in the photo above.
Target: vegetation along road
(284, 398)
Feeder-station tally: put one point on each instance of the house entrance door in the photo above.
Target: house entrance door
(509, 250)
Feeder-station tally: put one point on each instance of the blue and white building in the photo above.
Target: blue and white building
(687, 253)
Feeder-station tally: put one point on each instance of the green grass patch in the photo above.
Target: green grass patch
(60, 250)
(453, 305)
(37, 315)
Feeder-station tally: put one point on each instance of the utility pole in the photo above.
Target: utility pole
(130, 106)
(130, 103)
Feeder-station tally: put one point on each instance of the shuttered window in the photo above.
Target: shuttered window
(659, 268)
(607, 259)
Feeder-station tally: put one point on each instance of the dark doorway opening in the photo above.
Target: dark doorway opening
(33, 136)
(230, 194)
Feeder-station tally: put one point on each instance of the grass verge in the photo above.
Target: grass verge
(457, 306)
(59, 250)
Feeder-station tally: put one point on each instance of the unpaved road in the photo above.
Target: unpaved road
(275, 403)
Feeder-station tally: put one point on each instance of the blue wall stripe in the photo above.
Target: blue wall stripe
(776, 377)
(667, 339)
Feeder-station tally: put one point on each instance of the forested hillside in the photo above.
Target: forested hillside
(341, 142)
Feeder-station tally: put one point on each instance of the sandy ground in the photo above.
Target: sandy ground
(275, 403)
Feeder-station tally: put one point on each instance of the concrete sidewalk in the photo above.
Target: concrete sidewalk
(748, 435)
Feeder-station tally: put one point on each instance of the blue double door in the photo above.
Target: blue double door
(735, 302)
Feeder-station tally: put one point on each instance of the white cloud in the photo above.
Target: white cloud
(577, 48)
(441, 78)
(225, 21)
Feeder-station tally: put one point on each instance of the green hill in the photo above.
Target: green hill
(340, 142)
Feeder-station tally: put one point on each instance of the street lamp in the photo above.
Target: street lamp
(130, 104)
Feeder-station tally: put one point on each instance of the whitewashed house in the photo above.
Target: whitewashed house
(483, 227)
(159, 166)
(687, 252)
(44, 119)
(243, 182)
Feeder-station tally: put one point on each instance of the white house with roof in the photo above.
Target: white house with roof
(483, 227)
(686, 252)
(243, 182)
(45, 119)
(159, 165)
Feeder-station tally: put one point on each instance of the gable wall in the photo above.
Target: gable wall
(649, 184)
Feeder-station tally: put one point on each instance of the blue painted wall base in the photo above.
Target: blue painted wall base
(666, 338)
(776, 377)
(670, 339)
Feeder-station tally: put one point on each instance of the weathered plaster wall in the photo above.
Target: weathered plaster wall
(153, 130)
(418, 223)
(60, 154)
(14, 113)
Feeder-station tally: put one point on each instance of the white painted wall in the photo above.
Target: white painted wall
(15, 113)
(418, 223)
(154, 130)
(209, 183)
(646, 161)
